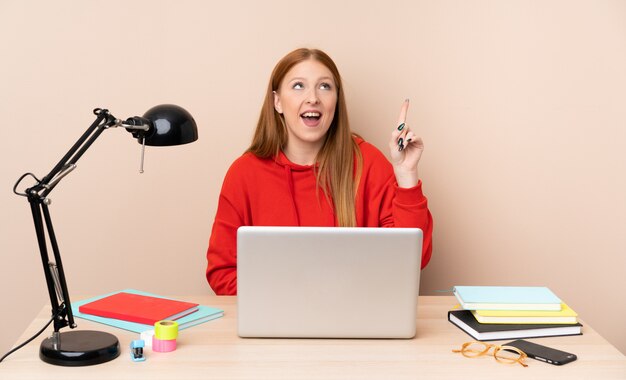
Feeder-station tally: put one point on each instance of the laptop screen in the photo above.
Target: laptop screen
(328, 282)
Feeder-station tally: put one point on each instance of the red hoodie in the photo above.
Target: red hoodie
(277, 192)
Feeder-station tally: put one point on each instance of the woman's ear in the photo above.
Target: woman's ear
(277, 106)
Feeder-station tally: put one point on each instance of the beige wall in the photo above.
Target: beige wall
(522, 105)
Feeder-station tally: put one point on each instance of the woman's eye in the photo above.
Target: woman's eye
(298, 86)
(325, 86)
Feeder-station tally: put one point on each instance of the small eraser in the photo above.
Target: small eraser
(147, 337)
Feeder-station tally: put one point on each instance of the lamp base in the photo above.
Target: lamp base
(79, 348)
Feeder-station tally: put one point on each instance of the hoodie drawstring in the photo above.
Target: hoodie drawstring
(289, 175)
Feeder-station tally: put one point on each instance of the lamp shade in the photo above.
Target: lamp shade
(170, 125)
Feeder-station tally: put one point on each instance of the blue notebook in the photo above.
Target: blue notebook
(507, 298)
(204, 314)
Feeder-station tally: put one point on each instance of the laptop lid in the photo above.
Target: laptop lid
(327, 282)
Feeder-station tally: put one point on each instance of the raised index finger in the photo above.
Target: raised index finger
(403, 112)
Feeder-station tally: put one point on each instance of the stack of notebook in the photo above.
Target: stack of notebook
(512, 312)
(137, 311)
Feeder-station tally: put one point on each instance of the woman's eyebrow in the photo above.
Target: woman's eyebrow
(318, 79)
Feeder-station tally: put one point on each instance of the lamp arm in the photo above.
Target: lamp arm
(101, 114)
(68, 162)
(53, 271)
(37, 197)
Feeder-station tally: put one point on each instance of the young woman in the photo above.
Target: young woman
(306, 168)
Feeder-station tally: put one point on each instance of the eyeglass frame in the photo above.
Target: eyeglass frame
(498, 348)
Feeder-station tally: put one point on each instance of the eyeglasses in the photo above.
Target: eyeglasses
(503, 354)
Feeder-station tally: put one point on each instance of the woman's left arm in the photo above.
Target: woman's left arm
(410, 207)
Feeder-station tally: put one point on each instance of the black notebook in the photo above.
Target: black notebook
(464, 320)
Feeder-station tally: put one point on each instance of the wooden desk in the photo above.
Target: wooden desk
(213, 351)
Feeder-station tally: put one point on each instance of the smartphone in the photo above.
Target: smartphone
(543, 353)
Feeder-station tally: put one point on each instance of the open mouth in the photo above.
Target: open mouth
(311, 118)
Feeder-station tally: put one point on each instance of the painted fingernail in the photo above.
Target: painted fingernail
(401, 127)
(400, 148)
(409, 140)
(400, 141)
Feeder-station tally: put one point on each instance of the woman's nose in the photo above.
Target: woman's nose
(312, 97)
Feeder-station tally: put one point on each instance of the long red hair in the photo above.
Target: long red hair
(337, 172)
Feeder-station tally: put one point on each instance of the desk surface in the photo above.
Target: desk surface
(213, 350)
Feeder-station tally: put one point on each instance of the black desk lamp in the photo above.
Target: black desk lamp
(162, 125)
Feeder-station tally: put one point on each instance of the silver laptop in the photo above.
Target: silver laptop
(327, 282)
